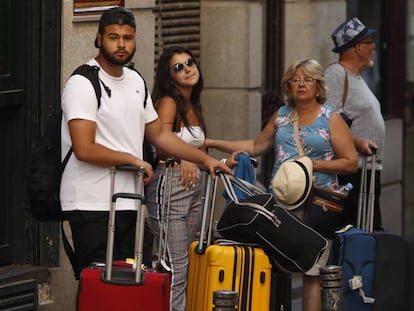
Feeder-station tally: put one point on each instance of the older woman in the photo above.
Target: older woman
(323, 135)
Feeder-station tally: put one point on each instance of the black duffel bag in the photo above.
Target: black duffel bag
(291, 244)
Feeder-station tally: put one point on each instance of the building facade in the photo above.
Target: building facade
(243, 47)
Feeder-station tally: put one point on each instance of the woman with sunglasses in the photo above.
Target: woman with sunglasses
(176, 95)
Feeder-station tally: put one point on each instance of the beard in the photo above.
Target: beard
(113, 59)
(371, 63)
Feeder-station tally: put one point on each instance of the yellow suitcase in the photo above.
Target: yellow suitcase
(241, 268)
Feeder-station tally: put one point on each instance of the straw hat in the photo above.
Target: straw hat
(292, 182)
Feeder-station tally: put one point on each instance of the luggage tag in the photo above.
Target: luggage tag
(356, 283)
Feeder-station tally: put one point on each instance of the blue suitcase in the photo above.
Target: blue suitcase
(355, 251)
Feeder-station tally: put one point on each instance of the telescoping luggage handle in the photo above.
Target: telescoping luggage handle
(208, 210)
(140, 221)
(162, 264)
(209, 206)
(365, 217)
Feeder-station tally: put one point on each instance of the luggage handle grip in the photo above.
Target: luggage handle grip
(169, 162)
(254, 162)
(127, 167)
(218, 171)
(125, 195)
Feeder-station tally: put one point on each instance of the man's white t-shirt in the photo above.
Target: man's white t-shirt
(120, 124)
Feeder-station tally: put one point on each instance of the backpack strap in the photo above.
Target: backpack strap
(131, 65)
(146, 88)
(70, 253)
(92, 74)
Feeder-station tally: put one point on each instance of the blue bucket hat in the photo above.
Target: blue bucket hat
(349, 33)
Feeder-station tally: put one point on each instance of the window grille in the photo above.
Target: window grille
(177, 23)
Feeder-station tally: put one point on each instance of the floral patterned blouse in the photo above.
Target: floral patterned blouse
(315, 140)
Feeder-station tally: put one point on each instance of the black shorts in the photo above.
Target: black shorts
(89, 234)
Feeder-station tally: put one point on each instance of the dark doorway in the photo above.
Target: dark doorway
(13, 94)
(29, 89)
(271, 98)
(387, 77)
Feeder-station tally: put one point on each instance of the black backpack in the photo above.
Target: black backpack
(46, 167)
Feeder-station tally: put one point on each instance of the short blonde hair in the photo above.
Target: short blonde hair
(312, 69)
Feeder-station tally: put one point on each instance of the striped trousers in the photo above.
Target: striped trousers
(184, 223)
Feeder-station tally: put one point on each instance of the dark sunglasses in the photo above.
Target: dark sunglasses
(180, 66)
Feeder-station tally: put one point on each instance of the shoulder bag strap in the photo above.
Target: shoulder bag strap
(295, 121)
(345, 93)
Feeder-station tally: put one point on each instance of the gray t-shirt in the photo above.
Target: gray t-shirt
(361, 106)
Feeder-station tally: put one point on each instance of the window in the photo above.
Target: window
(87, 6)
(177, 23)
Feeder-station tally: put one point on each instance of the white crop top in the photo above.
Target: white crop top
(194, 138)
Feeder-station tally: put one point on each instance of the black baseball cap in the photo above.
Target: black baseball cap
(116, 15)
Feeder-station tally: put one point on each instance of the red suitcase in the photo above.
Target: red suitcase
(119, 286)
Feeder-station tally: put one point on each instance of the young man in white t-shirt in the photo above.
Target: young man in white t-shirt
(108, 136)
